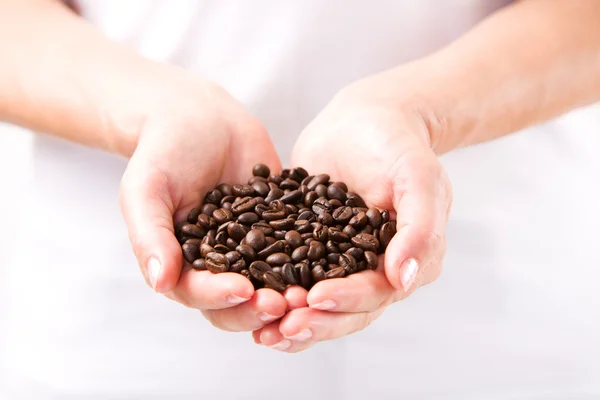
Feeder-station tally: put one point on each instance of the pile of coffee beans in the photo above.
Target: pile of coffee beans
(286, 229)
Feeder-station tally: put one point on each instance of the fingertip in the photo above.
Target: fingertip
(394, 258)
(164, 268)
(270, 302)
(296, 297)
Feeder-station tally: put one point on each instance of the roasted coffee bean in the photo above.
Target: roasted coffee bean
(206, 222)
(238, 266)
(260, 209)
(300, 254)
(242, 190)
(305, 236)
(344, 246)
(316, 250)
(336, 192)
(248, 218)
(341, 185)
(221, 237)
(332, 247)
(276, 247)
(258, 268)
(222, 215)
(354, 200)
(321, 233)
(318, 274)
(277, 270)
(247, 252)
(325, 218)
(290, 274)
(302, 226)
(359, 221)
(366, 242)
(318, 180)
(362, 265)
(260, 188)
(236, 231)
(335, 203)
(246, 274)
(279, 235)
(374, 217)
(199, 264)
(261, 170)
(274, 281)
(221, 248)
(212, 233)
(342, 215)
(274, 215)
(193, 230)
(355, 252)
(206, 249)
(293, 239)
(308, 241)
(276, 179)
(225, 189)
(233, 256)
(306, 180)
(350, 231)
(348, 263)
(292, 196)
(231, 244)
(321, 205)
(227, 206)
(310, 198)
(270, 240)
(255, 179)
(385, 216)
(209, 239)
(333, 258)
(367, 229)
(278, 259)
(291, 209)
(191, 251)
(213, 197)
(282, 224)
(209, 209)
(289, 184)
(228, 199)
(247, 204)
(184, 238)
(298, 174)
(304, 275)
(217, 263)
(321, 190)
(336, 272)
(263, 227)
(339, 237)
(193, 215)
(386, 233)
(371, 259)
(256, 239)
(293, 216)
(358, 210)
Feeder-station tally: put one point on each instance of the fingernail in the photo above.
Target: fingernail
(154, 268)
(233, 299)
(324, 305)
(303, 336)
(283, 345)
(408, 272)
(263, 316)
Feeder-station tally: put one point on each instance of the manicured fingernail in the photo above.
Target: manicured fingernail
(263, 316)
(303, 336)
(408, 272)
(154, 268)
(324, 305)
(233, 299)
(283, 345)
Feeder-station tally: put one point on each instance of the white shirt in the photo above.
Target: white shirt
(515, 315)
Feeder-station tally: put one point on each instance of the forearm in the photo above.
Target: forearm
(59, 75)
(526, 64)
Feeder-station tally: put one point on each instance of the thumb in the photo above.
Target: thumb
(422, 197)
(148, 212)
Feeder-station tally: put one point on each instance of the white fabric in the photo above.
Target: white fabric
(515, 315)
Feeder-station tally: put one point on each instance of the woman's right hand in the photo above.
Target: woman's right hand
(195, 138)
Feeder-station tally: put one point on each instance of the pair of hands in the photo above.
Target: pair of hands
(379, 146)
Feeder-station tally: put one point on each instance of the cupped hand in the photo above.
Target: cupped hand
(381, 148)
(192, 141)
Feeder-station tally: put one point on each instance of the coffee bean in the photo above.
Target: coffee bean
(238, 266)
(354, 200)
(228, 199)
(325, 218)
(209, 209)
(276, 179)
(321, 205)
(335, 203)
(290, 274)
(274, 281)
(282, 224)
(217, 263)
(278, 259)
(260, 188)
(333, 258)
(387, 232)
(371, 259)
(206, 222)
(291, 209)
(233, 256)
(294, 239)
(304, 275)
(289, 184)
(355, 252)
(246, 204)
(206, 249)
(276, 247)
(359, 221)
(321, 190)
(222, 215)
(191, 251)
(263, 227)
(321, 233)
(248, 218)
(316, 251)
(193, 215)
(350, 231)
(227, 206)
(274, 215)
(309, 240)
(385, 216)
(258, 268)
(209, 239)
(344, 246)
(337, 272)
(300, 254)
(339, 237)
(270, 240)
(348, 263)
(279, 235)
(242, 190)
(277, 270)
(318, 180)
(193, 230)
(221, 238)
(341, 185)
(199, 264)
(374, 217)
(336, 192)
(362, 265)
(342, 215)
(247, 252)
(221, 248)
(302, 226)
(231, 244)
(292, 197)
(298, 174)
(225, 189)
(310, 198)
(246, 274)
(260, 209)
(256, 239)
(261, 170)
(236, 231)
(366, 242)
(318, 274)
(213, 197)
(332, 247)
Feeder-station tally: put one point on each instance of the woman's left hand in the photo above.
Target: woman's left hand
(381, 148)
